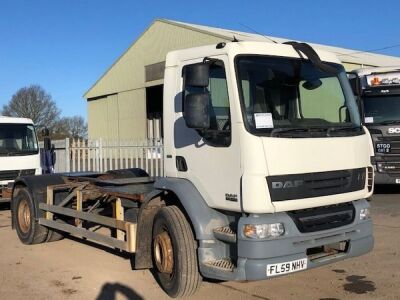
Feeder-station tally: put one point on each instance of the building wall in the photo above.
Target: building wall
(122, 114)
(97, 118)
(132, 114)
(118, 116)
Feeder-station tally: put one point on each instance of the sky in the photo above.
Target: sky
(66, 45)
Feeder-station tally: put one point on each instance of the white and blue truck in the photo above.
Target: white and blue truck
(267, 168)
(19, 152)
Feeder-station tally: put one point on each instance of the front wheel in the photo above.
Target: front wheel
(28, 229)
(174, 253)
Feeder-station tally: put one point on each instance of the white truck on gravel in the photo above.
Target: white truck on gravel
(267, 168)
(19, 152)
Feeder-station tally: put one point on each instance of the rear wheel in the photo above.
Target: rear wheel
(174, 253)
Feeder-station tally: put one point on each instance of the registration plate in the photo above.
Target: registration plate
(287, 267)
(382, 147)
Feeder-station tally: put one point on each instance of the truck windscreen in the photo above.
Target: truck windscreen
(289, 96)
(17, 139)
(382, 109)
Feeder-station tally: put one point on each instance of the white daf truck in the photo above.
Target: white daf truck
(19, 152)
(267, 170)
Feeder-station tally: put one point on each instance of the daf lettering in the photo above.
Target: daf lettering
(287, 184)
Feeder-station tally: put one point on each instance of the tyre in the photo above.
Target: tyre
(54, 236)
(174, 253)
(28, 229)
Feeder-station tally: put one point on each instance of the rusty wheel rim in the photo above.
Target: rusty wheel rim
(163, 253)
(24, 216)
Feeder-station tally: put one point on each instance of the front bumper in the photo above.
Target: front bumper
(386, 178)
(255, 255)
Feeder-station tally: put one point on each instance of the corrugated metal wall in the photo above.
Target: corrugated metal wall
(123, 115)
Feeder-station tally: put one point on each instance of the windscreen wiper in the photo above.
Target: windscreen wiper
(278, 131)
(344, 128)
(311, 130)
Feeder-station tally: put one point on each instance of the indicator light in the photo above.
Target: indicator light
(375, 81)
(263, 231)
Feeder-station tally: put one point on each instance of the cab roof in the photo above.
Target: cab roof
(238, 48)
(14, 120)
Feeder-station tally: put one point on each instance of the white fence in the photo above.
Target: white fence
(78, 155)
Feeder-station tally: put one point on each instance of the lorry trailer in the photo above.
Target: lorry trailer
(378, 90)
(19, 152)
(267, 167)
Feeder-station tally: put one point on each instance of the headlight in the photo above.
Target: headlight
(364, 214)
(263, 231)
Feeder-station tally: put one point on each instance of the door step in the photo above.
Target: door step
(225, 234)
(221, 264)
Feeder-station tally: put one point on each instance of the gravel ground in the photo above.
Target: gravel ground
(71, 269)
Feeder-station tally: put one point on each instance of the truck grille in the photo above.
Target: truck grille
(12, 174)
(323, 218)
(394, 144)
(308, 185)
(390, 167)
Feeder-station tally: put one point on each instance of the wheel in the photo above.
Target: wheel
(28, 229)
(174, 253)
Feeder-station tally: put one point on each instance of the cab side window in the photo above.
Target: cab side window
(219, 133)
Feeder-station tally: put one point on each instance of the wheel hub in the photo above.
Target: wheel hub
(24, 216)
(163, 253)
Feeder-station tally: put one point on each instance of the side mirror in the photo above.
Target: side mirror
(53, 154)
(196, 111)
(46, 139)
(344, 114)
(197, 75)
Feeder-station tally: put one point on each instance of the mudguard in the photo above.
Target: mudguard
(203, 218)
(37, 186)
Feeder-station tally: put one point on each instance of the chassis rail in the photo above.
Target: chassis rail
(83, 189)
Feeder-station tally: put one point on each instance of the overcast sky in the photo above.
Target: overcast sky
(66, 45)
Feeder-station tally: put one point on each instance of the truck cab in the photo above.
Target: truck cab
(273, 134)
(378, 90)
(19, 152)
(282, 134)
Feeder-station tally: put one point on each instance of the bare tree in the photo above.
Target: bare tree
(74, 127)
(35, 103)
(77, 127)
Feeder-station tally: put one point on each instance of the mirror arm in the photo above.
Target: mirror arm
(340, 112)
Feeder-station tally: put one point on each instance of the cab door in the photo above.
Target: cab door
(210, 158)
